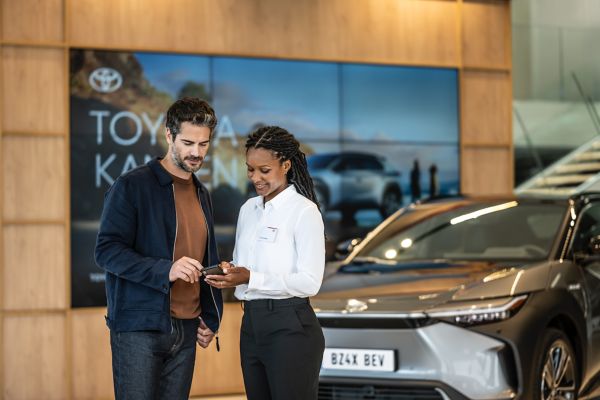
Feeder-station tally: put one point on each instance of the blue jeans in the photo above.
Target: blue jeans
(154, 365)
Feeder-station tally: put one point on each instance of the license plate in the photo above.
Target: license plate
(359, 359)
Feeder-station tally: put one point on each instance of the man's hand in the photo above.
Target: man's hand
(232, 277)
(186, 269)
(205, 335)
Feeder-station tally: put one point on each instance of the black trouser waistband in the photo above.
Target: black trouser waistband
(274, 303)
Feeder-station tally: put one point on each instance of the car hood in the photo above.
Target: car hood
(419, 286)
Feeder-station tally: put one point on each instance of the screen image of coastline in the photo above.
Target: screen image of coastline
(376, 137)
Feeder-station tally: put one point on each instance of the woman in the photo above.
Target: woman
(278, 262)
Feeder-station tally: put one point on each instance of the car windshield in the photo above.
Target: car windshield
(466, 231)
(319, 161)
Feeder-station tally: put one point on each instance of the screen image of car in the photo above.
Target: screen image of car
(467, 298)
(349, 181)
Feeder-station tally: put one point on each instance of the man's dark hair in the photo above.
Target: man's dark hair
(285, 147)
(193, 110)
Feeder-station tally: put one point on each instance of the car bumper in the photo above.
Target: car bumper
(442, 360)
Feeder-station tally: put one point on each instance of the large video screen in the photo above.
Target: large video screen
(376, 137)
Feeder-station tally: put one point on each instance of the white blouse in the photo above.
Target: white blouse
(283, 246)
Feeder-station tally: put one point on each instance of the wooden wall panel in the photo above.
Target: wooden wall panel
(34, 357)
(90, 354)
(34, 267)
(34, 95)
(486, 108)
(1, 230)
(215, 372)
(39, 20)
(390, 31)
(487, 171)
(33, 172)
(220, 372)
(37, 351)
(486, 33)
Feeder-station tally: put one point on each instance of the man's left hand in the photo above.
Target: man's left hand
(204, 335)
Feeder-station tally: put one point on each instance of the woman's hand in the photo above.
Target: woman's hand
(233, 276)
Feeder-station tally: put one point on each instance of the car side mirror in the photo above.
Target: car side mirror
(591, 254)
(344, 248)
(594, 246)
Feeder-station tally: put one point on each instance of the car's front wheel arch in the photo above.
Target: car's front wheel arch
(556, 372)
(566, 325)
(546, 309)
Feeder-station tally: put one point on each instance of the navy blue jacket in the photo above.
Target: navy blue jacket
(135, 247)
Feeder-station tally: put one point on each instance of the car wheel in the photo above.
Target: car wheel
(348, 213)
(556, 373)
(322, 199)
(391, 202)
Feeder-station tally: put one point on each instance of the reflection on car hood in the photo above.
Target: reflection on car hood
(416, 287)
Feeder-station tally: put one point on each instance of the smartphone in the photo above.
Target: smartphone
(212, 270)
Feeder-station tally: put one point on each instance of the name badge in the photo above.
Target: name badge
(267, 234)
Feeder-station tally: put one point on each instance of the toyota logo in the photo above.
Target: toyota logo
(105, 80)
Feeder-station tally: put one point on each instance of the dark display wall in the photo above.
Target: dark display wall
(370, 133)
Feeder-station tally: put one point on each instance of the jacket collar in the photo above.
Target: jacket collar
(164, 177)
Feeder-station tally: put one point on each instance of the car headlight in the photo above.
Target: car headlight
(479, 311)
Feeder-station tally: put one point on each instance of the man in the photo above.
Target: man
(415, 182)
(156, 234)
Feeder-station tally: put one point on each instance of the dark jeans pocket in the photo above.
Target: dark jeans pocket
(150, 365)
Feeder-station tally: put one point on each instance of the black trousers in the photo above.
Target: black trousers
(281, 346)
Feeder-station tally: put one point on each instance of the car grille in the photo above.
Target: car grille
(337, 391)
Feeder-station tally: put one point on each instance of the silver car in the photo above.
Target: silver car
(350, 181)
(468, 299)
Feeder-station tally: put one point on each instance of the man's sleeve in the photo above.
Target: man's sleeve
(114, 245)
(209, 299)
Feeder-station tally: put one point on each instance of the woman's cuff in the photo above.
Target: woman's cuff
(256, 280)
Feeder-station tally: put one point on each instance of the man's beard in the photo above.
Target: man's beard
(181, 163)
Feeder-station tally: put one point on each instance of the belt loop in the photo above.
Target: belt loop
(270, 304)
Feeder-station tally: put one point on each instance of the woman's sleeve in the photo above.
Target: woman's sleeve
(309, 238)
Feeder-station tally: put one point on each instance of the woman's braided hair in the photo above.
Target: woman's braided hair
(285, 147)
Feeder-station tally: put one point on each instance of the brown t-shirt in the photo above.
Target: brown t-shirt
(190, 242)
